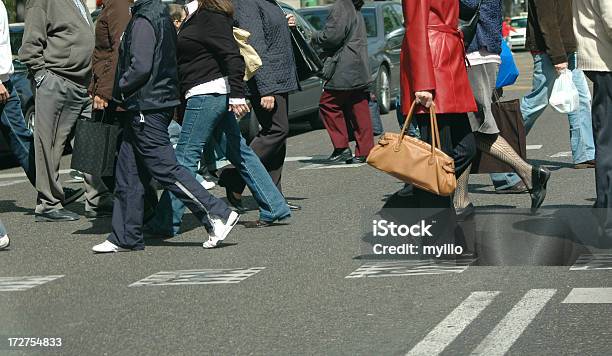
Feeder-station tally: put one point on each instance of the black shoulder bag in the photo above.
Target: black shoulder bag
(468, 22)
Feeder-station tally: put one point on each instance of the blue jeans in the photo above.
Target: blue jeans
(534, 104)
(16, 134)
(203, 114)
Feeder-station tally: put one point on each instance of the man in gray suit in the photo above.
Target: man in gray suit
(58, 43)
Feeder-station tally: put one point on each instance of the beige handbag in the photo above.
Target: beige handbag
(252, 60)
(414, 161)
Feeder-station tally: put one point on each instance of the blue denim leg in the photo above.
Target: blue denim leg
(19, 137)
(580, 121)
(2, 229)
(202, 114)
(272, 204)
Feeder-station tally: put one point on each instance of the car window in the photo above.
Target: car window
(16, 38)
(369, 15)
(399, 12)
(519, 23)
(390, 20)
(316, 19)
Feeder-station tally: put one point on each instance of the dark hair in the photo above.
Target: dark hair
(224, 6)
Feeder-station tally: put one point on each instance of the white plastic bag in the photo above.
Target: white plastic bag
(564, 97)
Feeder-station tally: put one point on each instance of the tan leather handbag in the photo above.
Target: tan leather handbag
(414, 161)
(252, 61)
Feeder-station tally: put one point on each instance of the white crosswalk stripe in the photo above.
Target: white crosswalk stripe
(593, 262)
(409, 268)
(332, 166)
(533, 147)
(562, 154)
(17, 284)
(589, 296)
(448, 329)
(503, 336)
(195, 277)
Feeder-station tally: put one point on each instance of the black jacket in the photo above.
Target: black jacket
(550, 28)
(202, 58)
(271, 38)
(147, 72)
(352, 71)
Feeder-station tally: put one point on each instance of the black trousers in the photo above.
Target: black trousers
(270, 144)
(146, 153)
(602, 133)
(457, 141)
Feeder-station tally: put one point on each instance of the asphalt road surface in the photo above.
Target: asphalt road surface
(304, 287)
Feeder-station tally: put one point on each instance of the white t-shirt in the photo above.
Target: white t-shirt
(482, 57)
(6, 55)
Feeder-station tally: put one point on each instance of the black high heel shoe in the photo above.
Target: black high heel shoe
(539, 179)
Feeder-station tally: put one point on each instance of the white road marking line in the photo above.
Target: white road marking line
(196, 277)
(333, 166)
(593, 262)
(12, 182)
(562, 154)
(499, 341)
(409, 268)
(304, 158)
(21, 174)
(448, 329)
(589, 296)
(18, 284)
(534, 147)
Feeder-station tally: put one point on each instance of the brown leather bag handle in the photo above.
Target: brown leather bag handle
(433, 124)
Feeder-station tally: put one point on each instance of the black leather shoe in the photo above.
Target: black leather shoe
(99, 213)
(71, 195)
(235, 202)
(464, 213)
(293, 206)
(56, 215)
(257, 224)
(357, 159)
(340, 155)
(539, 179)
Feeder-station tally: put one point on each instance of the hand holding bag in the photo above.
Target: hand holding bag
(414, 161)
(564, 96)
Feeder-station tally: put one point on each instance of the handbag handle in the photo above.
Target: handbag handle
(433, 124)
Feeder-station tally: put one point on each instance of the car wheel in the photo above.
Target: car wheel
(29, 118)
(383, 90)
(315, 121)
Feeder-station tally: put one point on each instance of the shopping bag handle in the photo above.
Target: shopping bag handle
(433, 124)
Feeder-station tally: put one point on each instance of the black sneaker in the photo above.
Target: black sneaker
(71, 195)
(340, 155)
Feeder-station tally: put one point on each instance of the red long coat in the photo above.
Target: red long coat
(433, 58)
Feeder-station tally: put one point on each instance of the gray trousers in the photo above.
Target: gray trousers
(59, 103)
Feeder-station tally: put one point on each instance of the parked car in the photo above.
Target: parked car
(385, 29)
(518, 37)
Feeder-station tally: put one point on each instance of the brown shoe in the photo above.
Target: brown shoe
(585, 165)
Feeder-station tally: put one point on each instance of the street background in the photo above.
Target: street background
(284, 290)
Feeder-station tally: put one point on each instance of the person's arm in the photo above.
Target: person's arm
(336, 27)
(418, 63)
(606, 16)
(6, 56)
(116, 20)
(141, 62)
(34, 41)
(546, 12)
(249, 17)
(220, 40)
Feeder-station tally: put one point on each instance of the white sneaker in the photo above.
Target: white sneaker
(4, 242)
(108, 247)
(220, 230)
(208, 185)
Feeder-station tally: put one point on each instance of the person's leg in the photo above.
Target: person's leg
(54, 122)
(602, 126)
(361, 121)
(580, 121)
(331, 107)
(128, 209)
(153, 147)
(532, 106)
(16, 133)
(202, 114)
(4, 239)
(272, 204)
